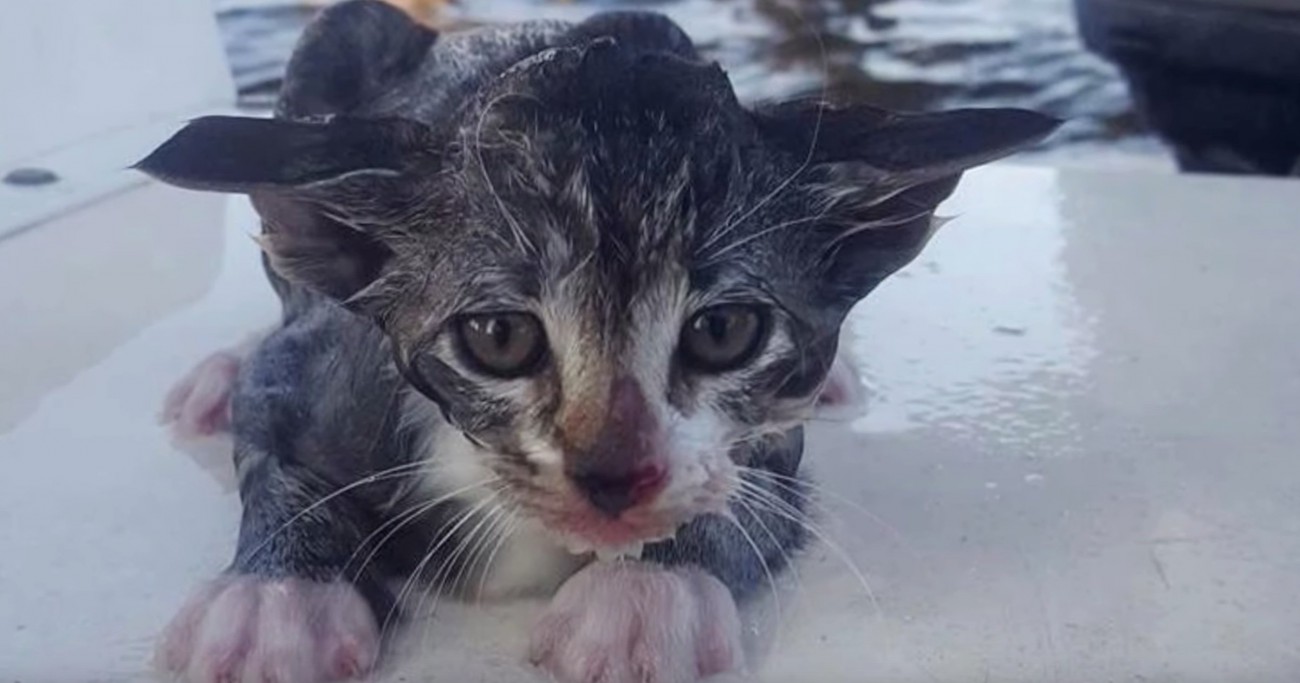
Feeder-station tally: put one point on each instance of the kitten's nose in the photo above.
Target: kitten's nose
(614, 492)
(621, 468)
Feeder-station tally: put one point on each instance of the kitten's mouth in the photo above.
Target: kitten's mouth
(605, 552)
(610, 538)
(581, 525)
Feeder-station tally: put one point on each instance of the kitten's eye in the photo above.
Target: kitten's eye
(503, 344)
(723, 337)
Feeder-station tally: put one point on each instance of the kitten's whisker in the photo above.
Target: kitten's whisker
(440, 536)
(788, 483)
(491, 538)
(780, 507)
(395, 472)
(408, 515)
(500, 516)
(402, 520)
(771, 536)
(470, 549)
(439, 585)
(434, 546)
(762, 560)
(509, 530)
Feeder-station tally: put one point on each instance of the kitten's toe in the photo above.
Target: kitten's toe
(242, 629)
(631, 622)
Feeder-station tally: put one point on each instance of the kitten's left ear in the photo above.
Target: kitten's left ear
(879, 175)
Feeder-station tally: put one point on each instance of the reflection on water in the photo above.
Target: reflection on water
(907, 54)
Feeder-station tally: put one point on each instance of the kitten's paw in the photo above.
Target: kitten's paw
(633, 622)
(240, 629)
(199, 404)
(843, 387)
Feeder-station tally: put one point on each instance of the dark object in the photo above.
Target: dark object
(31, 177)
(1219, 80)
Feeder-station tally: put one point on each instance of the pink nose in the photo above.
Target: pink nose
(622, 468)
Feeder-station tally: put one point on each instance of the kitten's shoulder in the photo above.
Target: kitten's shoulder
(321, 391)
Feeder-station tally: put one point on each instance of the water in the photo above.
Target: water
(905, 54)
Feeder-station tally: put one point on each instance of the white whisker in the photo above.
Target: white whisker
(401, 521)
(767, 570)
(434, 546)
(788, 484)
(397, 471)
(772, 502)
(471, 541)
(509, 530)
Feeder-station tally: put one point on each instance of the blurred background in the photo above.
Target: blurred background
(1200, 85)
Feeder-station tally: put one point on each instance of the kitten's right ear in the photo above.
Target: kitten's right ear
(880, 175)
(327, 192)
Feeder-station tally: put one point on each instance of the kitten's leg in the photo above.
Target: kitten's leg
(673, 617)
(284, 611)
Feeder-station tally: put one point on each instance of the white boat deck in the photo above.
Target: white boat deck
(1077, 462)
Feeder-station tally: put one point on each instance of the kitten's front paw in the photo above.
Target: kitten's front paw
(240, 629)
(199, 404)
(633, 622)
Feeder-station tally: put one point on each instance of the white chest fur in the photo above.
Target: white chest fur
(527, 561)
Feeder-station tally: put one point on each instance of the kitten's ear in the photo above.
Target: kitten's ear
(879, 175)
(326, 192)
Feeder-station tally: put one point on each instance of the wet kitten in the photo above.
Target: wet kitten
(553, 280)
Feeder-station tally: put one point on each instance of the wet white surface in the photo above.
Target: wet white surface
(1077, 461)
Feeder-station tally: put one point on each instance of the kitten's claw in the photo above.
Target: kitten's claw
(634, 622)
(242, 629)
(199, 404)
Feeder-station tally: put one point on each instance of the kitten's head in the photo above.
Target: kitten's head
(610, 275)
